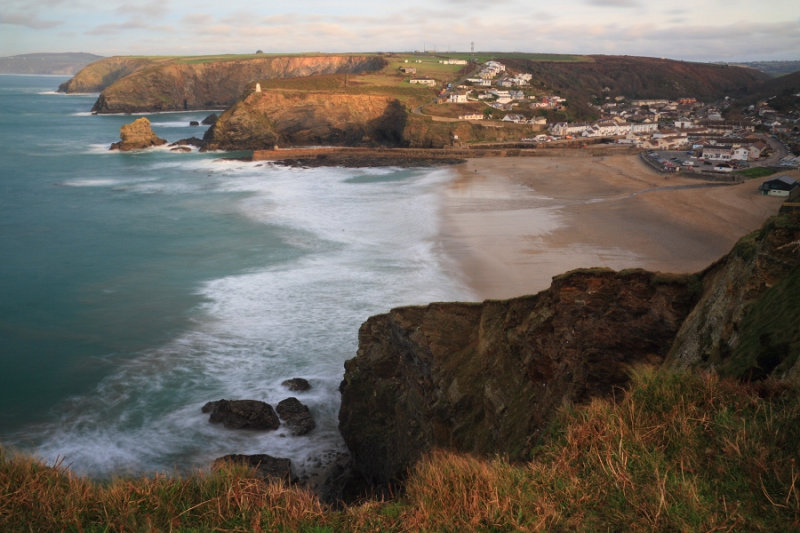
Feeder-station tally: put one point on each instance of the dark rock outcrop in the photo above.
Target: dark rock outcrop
(487, 377)
(266, 466)
(747, 323)
(296, 416)
(242, 414)
(190, 141)
(297, 384)
(210, 120)
(136, 136)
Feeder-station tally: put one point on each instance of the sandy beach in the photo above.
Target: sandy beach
(514, 223)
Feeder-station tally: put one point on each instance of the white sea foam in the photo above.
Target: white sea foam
(91, 182)
(368, 245)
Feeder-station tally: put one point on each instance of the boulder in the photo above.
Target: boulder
(267, 467)
(136, 136)
(296, 415)
(242, 414)
(194, 123)
(190, 141)
(296, 384)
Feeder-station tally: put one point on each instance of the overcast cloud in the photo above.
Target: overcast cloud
(709, 30)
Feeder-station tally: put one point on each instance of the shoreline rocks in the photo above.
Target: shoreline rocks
(136, 136)
(242, 414)
(296, 416)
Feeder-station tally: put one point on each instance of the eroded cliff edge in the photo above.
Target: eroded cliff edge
(132, 85)
(487, 377)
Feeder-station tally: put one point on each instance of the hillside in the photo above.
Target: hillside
(580, 82)
(98, 75)
(65, 64)
(781, 93)
(321, 110)
(132, 84)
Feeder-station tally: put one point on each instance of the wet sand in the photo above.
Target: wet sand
(514, 223)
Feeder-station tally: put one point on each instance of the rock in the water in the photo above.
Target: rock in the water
(180, 149)
(194, 123)
(296, 415)
(136, 136)
(266, 466)
(210, 119)
(190, 141)
(242, 414)
(297, 384)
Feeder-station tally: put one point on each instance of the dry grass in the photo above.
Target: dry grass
(678, 452)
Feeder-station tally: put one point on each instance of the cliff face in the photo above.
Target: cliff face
(96, 76)
(747, 323)
(487, 377)
(263, 119)
(208, 84)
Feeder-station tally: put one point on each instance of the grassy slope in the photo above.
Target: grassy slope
(679, 451)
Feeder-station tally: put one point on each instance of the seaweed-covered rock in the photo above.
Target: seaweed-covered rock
(242, 414)
(297, 384)
(296, 415)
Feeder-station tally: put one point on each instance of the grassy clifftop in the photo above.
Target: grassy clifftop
(679, 451)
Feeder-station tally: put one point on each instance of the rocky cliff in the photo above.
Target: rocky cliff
(339, 117)
(487, 377)
(208, 83)
(747, 323)
(96, 76)
(286, 117)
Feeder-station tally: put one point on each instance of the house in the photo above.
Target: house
(740, 154)
(780, 186)
(479, 81)
(457, 98)
(408, 70)
(717, 153)
(471, 116)
(430, 82)
(515, 118)
(453, 61)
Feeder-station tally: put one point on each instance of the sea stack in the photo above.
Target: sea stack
(136, 136)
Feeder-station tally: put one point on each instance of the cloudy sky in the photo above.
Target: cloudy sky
(702, 30)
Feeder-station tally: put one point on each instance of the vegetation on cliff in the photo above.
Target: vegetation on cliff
(142, 84)
(679, 451)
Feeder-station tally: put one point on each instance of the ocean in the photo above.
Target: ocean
(135, 287)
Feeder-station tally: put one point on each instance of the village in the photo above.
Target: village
(674, 135)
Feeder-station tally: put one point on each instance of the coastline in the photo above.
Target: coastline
(512, 223)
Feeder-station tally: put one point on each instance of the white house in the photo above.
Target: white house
(516, 119)
(457, 98)
(717, 153)
(430, 82)
(740, 153)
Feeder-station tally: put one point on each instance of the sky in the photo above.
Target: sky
(692, 30)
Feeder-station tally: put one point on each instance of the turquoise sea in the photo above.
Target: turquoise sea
(135, 287)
